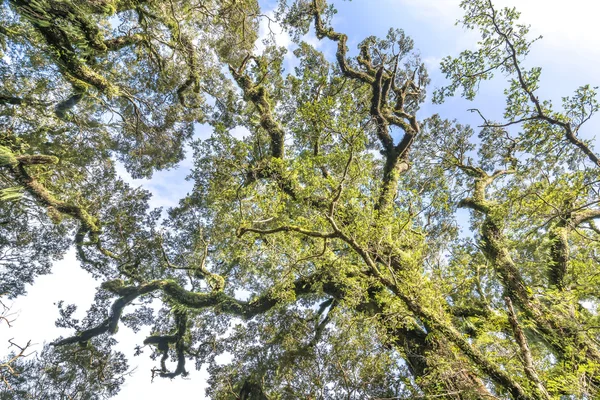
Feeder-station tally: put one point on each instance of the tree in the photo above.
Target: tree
(90, 372)
(341, 236)
(8, 368)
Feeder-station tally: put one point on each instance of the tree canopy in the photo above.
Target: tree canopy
(321, 251)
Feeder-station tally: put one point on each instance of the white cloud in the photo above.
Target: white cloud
(202, 131)
(572, 25)
(35, 313)
(568, 26)
(269, 29)
(167, 186)
(240, 132)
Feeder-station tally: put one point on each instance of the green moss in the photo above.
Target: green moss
(7, 158)
(113, 286)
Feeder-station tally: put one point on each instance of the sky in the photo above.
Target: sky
(569, 54)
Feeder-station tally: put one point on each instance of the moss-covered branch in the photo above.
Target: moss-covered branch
(302, 231)
(45, 198)
(526, 356)
(162, 343)
(257, 94)
(554, 329)
(382, 83)
(559, 238)
(342, 48)
(495, 372)
(89, 224)
(176, 294)
(21, 101)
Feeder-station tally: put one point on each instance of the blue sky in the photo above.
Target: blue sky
(569, 54)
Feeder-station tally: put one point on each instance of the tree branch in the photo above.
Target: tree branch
(258, 95)
(527, 358)
(194, 300)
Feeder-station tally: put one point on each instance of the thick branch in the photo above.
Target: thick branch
(498, 375)
(123, 41)
(559, 237)
(163, 342)
(302, 231)
(36, 159)
(527, 358)
(19, 101)
(43, 196)
(173, 291)
(69, 61)
(342, 49)
(559, 253)
(109, 325)
(381, 82)
(258, 95)
(553, 328)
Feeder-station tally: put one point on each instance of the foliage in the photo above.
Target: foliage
(320, 252)
(66, 373)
